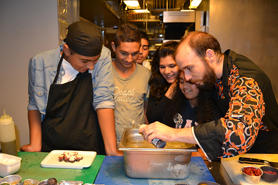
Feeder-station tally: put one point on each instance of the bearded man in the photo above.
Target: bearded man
(243, 93)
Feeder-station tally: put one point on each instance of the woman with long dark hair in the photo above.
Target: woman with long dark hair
(164, 73)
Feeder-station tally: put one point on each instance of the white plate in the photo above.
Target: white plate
(52, 161)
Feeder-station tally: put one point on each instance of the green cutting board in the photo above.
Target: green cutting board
(31, 169)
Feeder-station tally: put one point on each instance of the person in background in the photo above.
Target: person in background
(249, 121)
(130, 80)
(190, 103)
(71, 95)
(144, 51)
(164, 74)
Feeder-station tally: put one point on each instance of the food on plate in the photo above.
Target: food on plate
(252, 171)
(70, 157)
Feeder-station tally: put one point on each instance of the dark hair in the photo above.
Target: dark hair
(144, 35)
(205, 111)
(158, 85)
(178, 102)
(127, 33)
(200, 42)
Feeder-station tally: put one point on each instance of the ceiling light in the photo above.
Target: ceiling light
(132, 4)
(141, 11)
(194, 3)
(187, 10)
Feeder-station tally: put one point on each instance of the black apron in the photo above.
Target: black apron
(71, 122)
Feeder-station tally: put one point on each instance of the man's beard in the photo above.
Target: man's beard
(209, 78)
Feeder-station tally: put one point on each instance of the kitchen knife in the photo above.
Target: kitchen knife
(257, 161)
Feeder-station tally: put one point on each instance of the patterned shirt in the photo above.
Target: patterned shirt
(243, 119)
(246, 103)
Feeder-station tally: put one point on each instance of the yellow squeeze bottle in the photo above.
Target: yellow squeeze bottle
(7, 134)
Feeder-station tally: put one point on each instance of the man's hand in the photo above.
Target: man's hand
(157, 130)
(30, 148)
(107, 126)
(168, 134)
(34, 120)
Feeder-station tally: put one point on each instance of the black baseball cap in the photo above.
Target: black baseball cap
(84, 38)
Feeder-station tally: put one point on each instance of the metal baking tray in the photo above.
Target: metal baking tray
(143, 160)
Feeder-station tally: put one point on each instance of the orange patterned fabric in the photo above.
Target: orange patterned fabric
(244, 116)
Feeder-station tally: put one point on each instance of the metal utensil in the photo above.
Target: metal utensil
(257, 161)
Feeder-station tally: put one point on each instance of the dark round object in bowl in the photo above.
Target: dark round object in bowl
(52, 181)
(270, 174)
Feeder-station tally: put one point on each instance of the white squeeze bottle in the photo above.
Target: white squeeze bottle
(7, 134)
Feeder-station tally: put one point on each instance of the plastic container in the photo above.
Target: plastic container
(144, 160)
(7, 134)
(30, 182)
(9, 164)
(11, 179)
(252, 174)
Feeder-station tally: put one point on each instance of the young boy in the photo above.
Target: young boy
(71, 95)
(130, 79)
